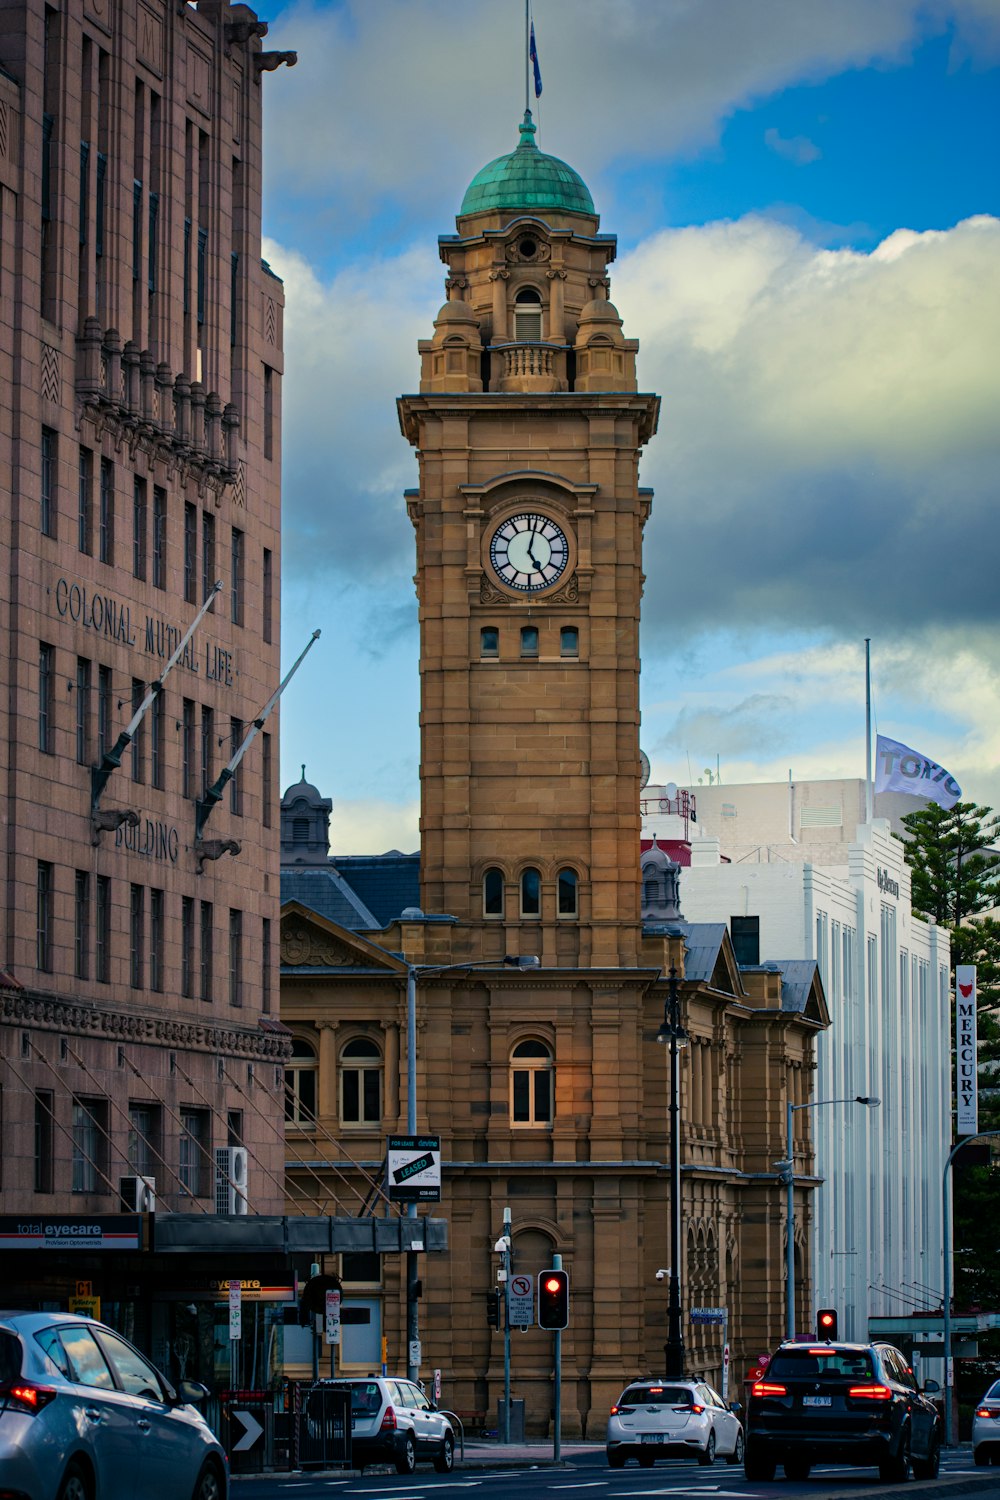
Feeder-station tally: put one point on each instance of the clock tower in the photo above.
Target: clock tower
(529, 519)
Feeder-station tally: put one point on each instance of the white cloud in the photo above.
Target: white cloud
(796, 148)
(371, 826)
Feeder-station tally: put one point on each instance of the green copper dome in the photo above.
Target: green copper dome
(527, 179)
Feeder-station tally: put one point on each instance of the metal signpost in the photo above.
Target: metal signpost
(717, 1316)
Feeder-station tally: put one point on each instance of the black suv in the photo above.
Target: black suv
(841, 1403)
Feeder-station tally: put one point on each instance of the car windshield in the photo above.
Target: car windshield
(10, 1357)
(656, 1395)
(831, 1364)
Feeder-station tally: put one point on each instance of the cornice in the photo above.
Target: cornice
(50, 1013)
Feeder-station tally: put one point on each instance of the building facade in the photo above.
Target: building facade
(141, 1060)
(545, 1084)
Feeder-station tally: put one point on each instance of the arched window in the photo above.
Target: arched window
(532, 1084)
(569, 641)
(568, 902)
(531, 893)
(300, 1084)
(493, 883)
(489, 641)
(527, 316)
(529, 640)
(361, 1083)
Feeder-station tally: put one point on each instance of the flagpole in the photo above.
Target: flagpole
(869, 797)
(527, 49)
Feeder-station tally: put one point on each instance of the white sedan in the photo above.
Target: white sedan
(670, 1419)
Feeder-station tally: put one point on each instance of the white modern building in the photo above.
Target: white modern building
(797, 890)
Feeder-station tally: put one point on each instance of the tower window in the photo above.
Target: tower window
(489, 641)
(493, 893)
(569, 641)
(568, 894)
(529, 640)
(527, 316)
(531, 893)
(531, 1084)
(361, 1083)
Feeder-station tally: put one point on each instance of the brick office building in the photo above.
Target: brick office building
(140, 357)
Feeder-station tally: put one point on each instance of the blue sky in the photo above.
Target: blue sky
(805, 194)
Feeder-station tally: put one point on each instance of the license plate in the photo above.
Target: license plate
(651, 1437)
(817, 1401)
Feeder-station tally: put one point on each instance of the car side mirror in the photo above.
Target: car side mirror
(191, 1392)
(931, 1387)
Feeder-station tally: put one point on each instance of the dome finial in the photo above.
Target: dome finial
(527, 129)
(303, 770)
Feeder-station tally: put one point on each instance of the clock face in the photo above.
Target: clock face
(529, 552)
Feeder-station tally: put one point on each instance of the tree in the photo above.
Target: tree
(954, 867)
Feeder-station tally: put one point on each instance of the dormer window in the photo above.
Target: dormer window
(527, 316)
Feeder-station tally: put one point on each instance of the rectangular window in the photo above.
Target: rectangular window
(268, 412)
(102, 943)
(207, 936)
(202, 274)
(266, 776)
(90, 1139)
(136, 229)
(234, 1127)
(489, 641)
(265, 965)
(43, 916)
(46, 697)
(187, 749)
(156, 940)
(746, 940)
(236, 958)
(267, 589)
(187, 946)
(84, 520)
(144, 1135)
(157, 720)
(50, 451)
(139, 737)
(207, 554)
(159, 537)
(193, 1152)
(529, 640)
(234, 282)
(82, 711)
(190, 553)
(236, 784)
(137, 937)
(154, 219)
(236, 577)
(106, 521)
(43, 1140)
(139, 528)
(81, 925)
(207, 747)
(104, 710)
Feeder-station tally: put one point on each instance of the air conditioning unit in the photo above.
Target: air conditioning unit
(138, 1194)
(231, 1180)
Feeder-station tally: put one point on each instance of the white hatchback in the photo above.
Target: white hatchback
(393, 1422)
(669, 1419)
(986, 1428)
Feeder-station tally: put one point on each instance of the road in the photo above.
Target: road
(587, 1477)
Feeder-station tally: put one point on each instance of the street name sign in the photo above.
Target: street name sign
(709, 1314)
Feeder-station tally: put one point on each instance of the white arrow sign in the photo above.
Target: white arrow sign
(252, 1432)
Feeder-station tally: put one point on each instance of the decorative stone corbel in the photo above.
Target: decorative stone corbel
(266, 62)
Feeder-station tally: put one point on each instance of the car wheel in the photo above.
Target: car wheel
(756, 1466)
(646, 1460)
(406, 1458)
(981, 1456)
(208, 1485)
(75, 1485)
(445, 1461)
(927, 1468)
(615, 1460)
(736, 1457)
(896, 1470)
(796, 1470)
(707, 1455)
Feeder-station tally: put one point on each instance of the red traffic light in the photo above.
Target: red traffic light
(553, 1299)
(826, 1323)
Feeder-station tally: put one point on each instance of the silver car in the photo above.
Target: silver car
(393, 1422)
(85, 1416)
(986, 1428)
(672, 1418)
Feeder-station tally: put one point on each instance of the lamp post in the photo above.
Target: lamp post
(671, 1031)
(947, 1277)
(787, 1173)
(522, 961)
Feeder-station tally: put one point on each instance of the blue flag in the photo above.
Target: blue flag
(533, 54)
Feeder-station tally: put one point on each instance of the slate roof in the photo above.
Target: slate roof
(386, 883)
(324, 890)
(704, 940)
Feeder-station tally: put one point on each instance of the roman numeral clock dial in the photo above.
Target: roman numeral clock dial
(529, 552)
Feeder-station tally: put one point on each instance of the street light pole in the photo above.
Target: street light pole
(521, 961)
(949, 1421)
(672, 1031)
(788, 1172)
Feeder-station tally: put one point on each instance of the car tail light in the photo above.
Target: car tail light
(871, 1392)
(988, 1411)
(30, 1396)
(693, 1407)
(388, 1423)
(767, 1388)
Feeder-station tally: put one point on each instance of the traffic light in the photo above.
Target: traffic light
(553, 1299)
(493, 1310)
(826, 1323)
